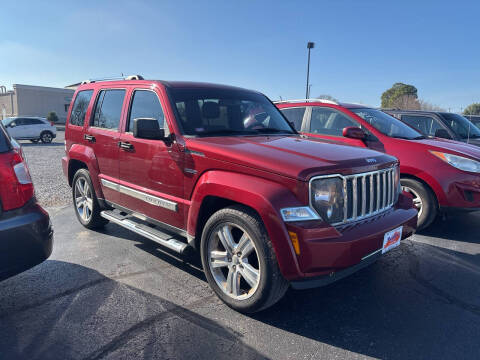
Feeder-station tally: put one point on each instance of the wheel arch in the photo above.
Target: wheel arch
(81, 156)
(216, 190)
(424, 183)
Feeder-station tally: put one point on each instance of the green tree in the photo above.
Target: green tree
(399, 90)
(472, 109)
(52, 116)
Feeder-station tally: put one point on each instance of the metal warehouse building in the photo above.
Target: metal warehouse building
(28, 100)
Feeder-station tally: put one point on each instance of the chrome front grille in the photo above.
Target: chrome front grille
(366, 194)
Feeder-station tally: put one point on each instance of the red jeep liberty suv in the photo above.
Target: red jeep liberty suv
(219, 169)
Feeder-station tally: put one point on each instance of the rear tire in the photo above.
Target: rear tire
(85, 201)
(423, 199)
(46, 137)
(247, 282)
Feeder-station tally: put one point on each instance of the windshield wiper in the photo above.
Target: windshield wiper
(225, 132)
(273, 130)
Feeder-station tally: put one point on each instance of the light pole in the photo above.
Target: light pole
(310, 45)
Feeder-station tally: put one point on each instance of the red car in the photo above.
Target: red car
(442, 175)
(219, 169)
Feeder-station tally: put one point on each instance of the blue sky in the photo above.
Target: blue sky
(362, 47)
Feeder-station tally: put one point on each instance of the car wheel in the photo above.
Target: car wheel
(423, 199)
(46, 137)
(34, 140)
(239, 260)
(85, 201)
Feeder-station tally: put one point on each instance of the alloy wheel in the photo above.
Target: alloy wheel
(47, 137)
(417, 200)
(233, 261)
(83, 199)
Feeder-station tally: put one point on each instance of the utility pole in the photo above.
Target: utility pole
(310, 45)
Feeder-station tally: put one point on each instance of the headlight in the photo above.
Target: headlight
(298, 214)
(459, 162)
(326, 196)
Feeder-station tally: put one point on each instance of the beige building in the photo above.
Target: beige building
(28, 100)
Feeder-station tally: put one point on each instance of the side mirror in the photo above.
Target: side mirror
(442, 133)
(354, 132)
(147, 128)
(12, 124)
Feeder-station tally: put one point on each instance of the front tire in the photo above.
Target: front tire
(46, 137)
(239, 260)
(423, 199)
(85, 201)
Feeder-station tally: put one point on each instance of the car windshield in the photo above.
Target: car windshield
(7, 121)
(388, 125)
(225, 112)
(461, 126)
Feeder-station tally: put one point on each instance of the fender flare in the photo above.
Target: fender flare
(86, 155)
(264, 196)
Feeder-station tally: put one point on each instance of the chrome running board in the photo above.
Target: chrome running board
(160, 237)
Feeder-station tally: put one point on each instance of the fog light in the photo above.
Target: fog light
(295, 243)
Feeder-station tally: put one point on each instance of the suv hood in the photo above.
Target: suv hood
(292, 156)
(452, 147)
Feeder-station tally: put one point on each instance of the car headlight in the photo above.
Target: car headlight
(459, 162)
(302, 213)
(326, 196)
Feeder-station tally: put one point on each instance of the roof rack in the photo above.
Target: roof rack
(306, 100)
(129, 77)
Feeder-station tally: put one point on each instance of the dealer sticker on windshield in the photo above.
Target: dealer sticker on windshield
(392, 239)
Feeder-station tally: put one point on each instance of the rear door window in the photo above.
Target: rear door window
(80, 107)
(327, 121)
(295, 115)
(109, 109)
(427, 125)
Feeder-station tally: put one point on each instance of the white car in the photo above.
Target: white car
(30, 128)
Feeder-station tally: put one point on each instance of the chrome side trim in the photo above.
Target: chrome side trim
(193, 152)
(154, 200)
(190, 171)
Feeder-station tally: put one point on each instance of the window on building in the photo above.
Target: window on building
(80, 107)
(295, 115)
(108, 109)
(145, 104)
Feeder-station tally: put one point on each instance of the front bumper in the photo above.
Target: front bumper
(332, 252)
(26, 239)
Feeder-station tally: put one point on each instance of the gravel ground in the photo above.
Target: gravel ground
(45, 165)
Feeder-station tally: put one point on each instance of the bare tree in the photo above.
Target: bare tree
(326, 97)
(425, 105)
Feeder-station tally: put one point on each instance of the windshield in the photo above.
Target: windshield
(218, 112)
(7, 121)
(388, 125)
(461, 126)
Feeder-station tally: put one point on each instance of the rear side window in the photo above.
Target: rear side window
(108, 109)
(4, 142)
(328, 121)
(295, 115)
(425, 124)
(80, 107)
(35, 122)
(145, 104)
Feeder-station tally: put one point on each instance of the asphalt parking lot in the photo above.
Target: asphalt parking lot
(113, 294)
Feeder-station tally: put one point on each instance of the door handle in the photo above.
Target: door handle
(89, 138)
(125, 145)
